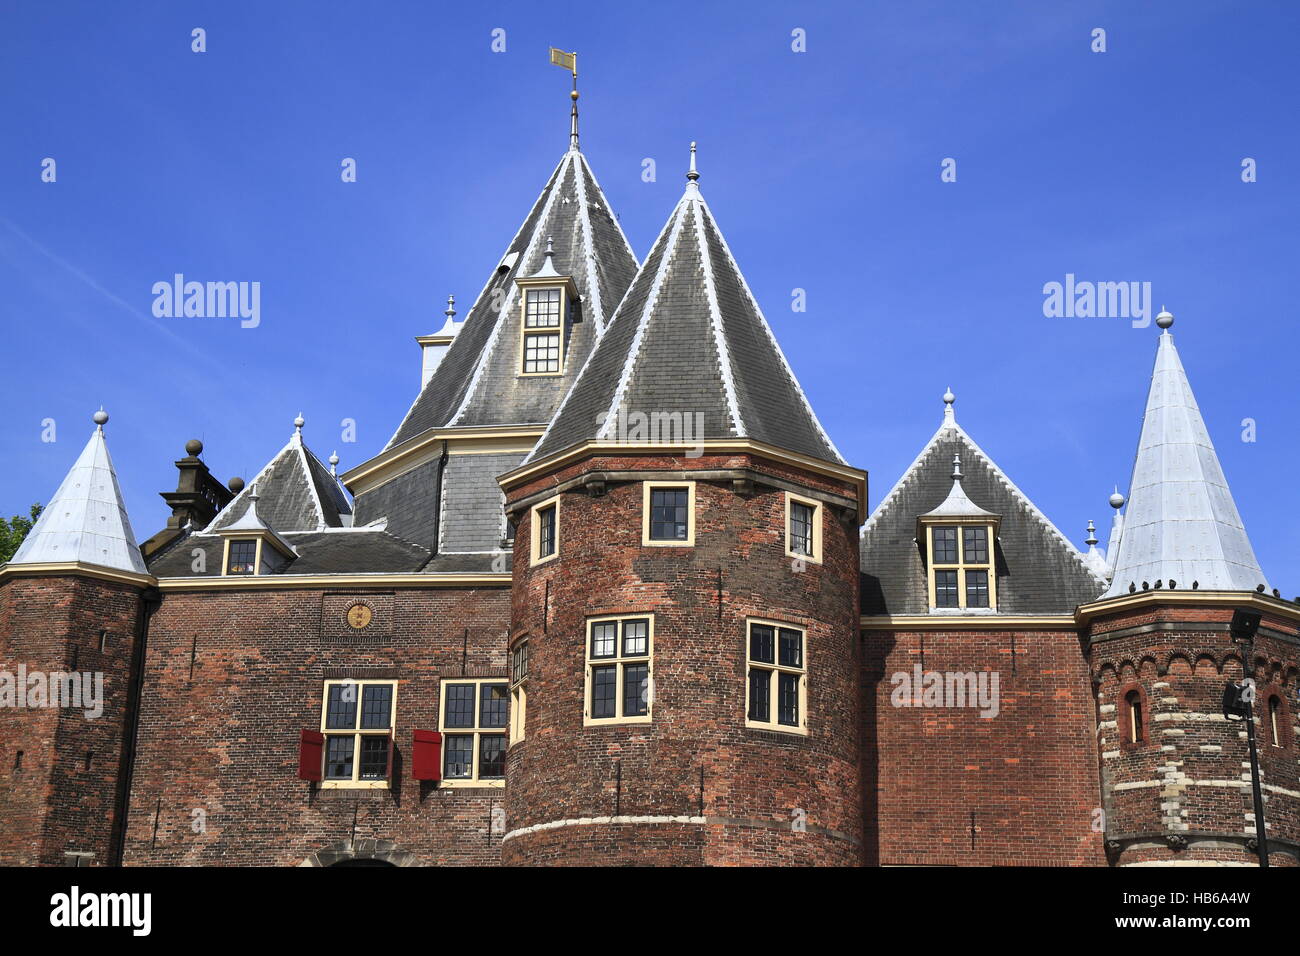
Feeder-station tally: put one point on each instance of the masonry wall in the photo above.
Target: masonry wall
(1181, 793)
(233, 676)
(60, 795)
(695, 786)
(944, 786)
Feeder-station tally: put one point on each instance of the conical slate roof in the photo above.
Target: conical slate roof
(689, 338)
(86, 520)
(1181, 523)
(296, 492)
(478, 382)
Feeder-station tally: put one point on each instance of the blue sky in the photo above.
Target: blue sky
(823, 168)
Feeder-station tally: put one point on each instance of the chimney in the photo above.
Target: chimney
(196, 501)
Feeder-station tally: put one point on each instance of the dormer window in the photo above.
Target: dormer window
(241, 557)
(958, 541)
(545, 298)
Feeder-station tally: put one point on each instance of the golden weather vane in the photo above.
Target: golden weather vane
(570, 62)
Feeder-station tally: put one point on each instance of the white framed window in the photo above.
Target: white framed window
(776, 685)
(620, 670)
(518, 690)
(668, 514)
(803, 528)
(544, 522)
(473, 717)
(357, 718)
(542, 345)
(961, 564)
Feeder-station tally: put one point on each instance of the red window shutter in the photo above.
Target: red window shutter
(427, 755)
(311, 755)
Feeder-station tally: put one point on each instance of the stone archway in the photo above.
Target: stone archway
(362, 853)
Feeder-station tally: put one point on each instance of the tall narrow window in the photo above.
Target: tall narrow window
(619, 680)
(474, 723)
(518, 691)
(776, 688)
(545, 530)
(543, 330)
(669, 514)
(1133, 703)
(961, 566)
(803, 528)
(357, 721)
(1275, 719)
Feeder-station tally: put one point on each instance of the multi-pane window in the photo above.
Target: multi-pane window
(242, 556)
(961, 566)
(776, 689)
(474, 720)
(518, 690)
(357, 721)
(545, 530)
(803, 533)
(619, 682)
(543, 330)
(669, 514)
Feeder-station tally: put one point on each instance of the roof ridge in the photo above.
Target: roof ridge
(589, 253)
(652, 296)
(311, 481)
(767, 329)
(248, 487)
(618, 226)
(725, 366)
(486, 285)
(907, 473)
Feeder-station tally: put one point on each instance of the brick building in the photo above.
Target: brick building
(611, 595)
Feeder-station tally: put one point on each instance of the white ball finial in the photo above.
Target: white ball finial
(299, 422)
(949, 397)
(100, 417)
(1117, 500)
(1165, 319)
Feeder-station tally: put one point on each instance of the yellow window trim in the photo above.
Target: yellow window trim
(534, 530)
(816, 557)
(524, 331)
(518, 696)
(355, 783)
(774, 686)
(962, 566)
(473, 780)
(257, 557)
(646, 488)
(618, 661)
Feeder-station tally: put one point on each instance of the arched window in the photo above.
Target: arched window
(1133, 709)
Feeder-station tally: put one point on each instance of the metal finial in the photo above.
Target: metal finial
(949, 397)
(450, 311)
(692, 174)
(1165, 319)
(550, 250)
(235, 484)
(299, 422)
(100, 418)
(1117, 500)
(1092, 534)
(956, 467)
(334, 463)
(573, 112)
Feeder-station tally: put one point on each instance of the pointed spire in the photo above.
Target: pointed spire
(547, 269)
(86, 520)
(957, 504)
(1181, 521)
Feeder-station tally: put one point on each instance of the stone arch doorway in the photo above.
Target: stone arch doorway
(362, 853)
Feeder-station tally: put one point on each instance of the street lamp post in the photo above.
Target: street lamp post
(1239, 703)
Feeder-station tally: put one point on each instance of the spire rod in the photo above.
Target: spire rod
(450, 311)
(570, 62)
(692, 174)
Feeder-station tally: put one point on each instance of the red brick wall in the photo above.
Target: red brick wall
(696, 758)
(58, 801)
(1188, 776)
(945, 786)
(226, 740)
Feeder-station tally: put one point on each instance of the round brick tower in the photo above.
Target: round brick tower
(686, 584)
(690, 777)
(1185, 614)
